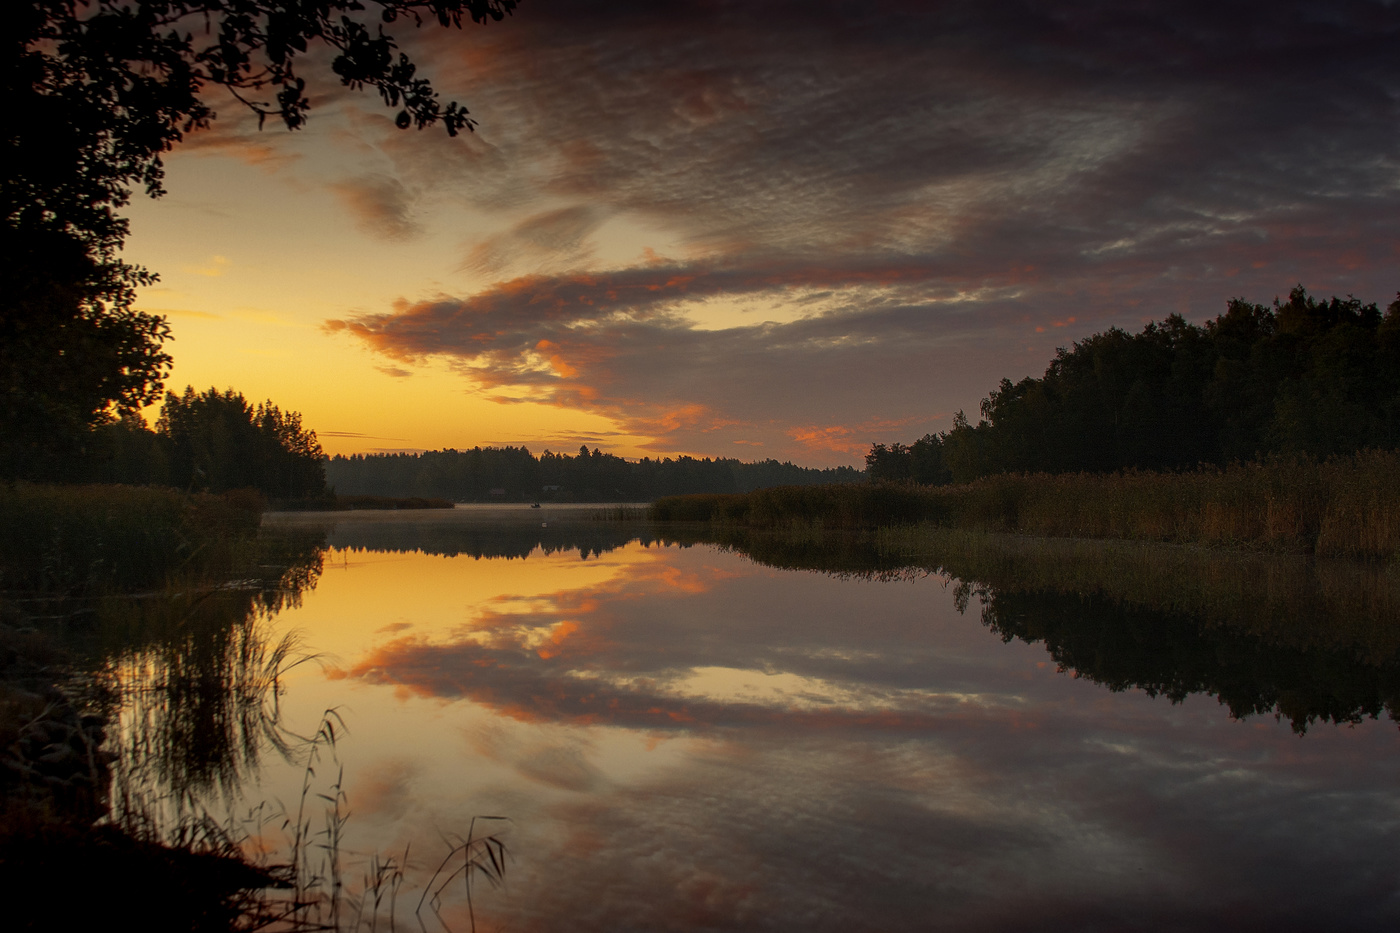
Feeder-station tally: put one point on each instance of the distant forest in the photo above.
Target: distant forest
(1299, 378)
(513, 474)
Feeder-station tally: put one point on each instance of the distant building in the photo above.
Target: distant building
(553, 488)
(498, 491)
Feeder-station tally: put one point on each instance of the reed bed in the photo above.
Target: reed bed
(1344, 507)
(72, 538)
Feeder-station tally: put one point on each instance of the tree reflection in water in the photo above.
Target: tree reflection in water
(1304, 639)
(1308, 640)
(129, 702)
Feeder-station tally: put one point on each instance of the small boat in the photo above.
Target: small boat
(535, 506)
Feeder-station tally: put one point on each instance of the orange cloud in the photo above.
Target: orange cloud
(851, 439)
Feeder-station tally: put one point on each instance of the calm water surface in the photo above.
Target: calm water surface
(684, 739)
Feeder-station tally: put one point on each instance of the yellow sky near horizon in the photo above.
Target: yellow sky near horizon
(672, 234)
(252, 262)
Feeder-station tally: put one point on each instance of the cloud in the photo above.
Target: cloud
(381, 205)
(555, 237)
(854, 440)
(921, 191)
(873, 344)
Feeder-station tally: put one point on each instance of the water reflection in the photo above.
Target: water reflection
(1304, 639)
(515, 540)
(1319, 644)
(197, 669)
(695, 737)
(153, 699)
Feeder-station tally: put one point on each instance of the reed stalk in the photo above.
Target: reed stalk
(1345, 507)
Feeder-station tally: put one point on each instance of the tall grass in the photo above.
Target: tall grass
(91, 538)
(138, 684)
(844, 506)
(1344, 507)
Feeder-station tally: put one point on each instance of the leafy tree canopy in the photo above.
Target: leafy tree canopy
(217, 441)
(1300, 377)
(97, 91)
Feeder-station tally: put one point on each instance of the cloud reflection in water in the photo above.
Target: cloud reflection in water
(691, 741)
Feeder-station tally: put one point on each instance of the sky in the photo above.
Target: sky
(771, 229)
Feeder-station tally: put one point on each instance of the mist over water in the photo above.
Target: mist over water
(685, 738)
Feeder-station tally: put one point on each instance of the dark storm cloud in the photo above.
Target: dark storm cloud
(762, 118)
(1107, 162)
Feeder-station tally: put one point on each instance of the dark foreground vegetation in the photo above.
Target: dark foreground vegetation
(207, 441)
(1344, 507)
(139, 684)
(136, 678)
(514, 474)
(155, 579)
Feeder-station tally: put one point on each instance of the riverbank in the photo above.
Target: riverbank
(135, 676)
(1346, 507)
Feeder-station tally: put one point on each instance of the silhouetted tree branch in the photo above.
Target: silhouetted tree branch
(97, 91)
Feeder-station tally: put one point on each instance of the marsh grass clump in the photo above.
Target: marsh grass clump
(1343, 507)
(70, 539)
(621, 513)
(847, 506)
(130, 641)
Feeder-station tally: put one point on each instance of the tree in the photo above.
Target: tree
(1303, 377)
(892, 464)
(97, 91)
(217, 442)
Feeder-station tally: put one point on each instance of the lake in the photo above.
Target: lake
(684, 737)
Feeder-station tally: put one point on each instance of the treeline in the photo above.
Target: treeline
(208, 441)
(514, 474)
(1298, 378)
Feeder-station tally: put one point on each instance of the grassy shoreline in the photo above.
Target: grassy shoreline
(103, 578)
(95, 538)
(1345, 507)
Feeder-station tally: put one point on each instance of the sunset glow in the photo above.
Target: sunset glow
(770, 230)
